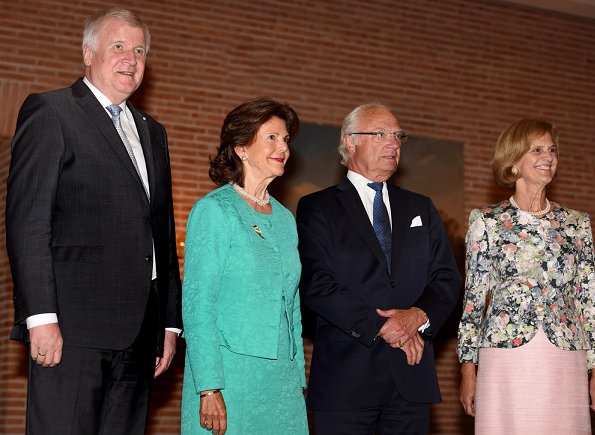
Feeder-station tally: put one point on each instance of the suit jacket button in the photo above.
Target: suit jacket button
(148, 258)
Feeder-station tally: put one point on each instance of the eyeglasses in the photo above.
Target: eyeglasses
(384, 136)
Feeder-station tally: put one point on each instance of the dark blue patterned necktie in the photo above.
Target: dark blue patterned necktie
(381, 223)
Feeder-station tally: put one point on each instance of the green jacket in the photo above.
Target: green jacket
(237, 284)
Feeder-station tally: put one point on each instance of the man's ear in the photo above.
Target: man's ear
(87, 56)
(350, 145)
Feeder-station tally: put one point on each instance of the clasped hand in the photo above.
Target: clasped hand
(400, 332)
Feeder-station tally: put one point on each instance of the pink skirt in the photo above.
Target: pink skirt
(533, 389)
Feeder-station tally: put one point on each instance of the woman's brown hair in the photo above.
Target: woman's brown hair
(239, 129)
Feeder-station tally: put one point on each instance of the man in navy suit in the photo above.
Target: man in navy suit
(379, 274)
(91, 242)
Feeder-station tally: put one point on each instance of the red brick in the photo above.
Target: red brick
(459, 70)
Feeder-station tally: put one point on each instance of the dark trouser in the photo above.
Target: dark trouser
(95, 391)
(397, 416)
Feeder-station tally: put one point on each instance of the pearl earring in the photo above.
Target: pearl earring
(244, 158)
(515, 171)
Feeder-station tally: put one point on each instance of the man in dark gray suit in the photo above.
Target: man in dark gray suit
(91, 241)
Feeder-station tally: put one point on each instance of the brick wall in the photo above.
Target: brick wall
(458, 70)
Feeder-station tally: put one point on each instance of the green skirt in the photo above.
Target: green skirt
(262, 396)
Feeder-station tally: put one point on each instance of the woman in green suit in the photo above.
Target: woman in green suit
(244, 369)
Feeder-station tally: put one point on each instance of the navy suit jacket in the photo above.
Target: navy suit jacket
(80, 227)
(345, 278)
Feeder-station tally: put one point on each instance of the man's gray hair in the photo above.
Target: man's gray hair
(95, 22)
(351, 125)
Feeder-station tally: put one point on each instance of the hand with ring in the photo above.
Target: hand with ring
(46, 344)
(413, 349)
(400, 325)
(213, 414)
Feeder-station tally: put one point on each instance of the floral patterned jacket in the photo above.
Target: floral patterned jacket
(524, 273)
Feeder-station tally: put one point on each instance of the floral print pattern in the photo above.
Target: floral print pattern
(524, 273)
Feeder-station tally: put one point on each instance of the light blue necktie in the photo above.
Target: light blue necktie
(381, 223)
(115, 110)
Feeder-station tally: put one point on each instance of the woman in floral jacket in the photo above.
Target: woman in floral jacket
(529, 315)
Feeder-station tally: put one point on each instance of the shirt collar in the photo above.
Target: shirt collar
(359, 180)
(104, 101)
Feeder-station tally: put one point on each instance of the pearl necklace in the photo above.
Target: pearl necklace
(261, 202)
(532, 213)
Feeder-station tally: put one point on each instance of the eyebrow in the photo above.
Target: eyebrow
(120, 41)
(533, 147)
(275, 132)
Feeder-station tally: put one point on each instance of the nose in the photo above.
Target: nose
(130, 57)
(393, 143)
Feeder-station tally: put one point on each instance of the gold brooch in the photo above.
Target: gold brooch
(257, 230)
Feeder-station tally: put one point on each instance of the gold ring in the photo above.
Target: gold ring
(41, 354)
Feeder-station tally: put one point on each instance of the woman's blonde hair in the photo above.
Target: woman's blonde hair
(513, 143)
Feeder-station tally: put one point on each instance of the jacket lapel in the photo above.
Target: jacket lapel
(145, 141)
(99, 116)
(399, 223)
(350, 200)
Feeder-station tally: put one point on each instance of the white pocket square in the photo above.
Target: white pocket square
(416, 222)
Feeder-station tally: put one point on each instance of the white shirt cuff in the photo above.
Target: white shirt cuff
(425, 326)
(176, 330)
(41, 319)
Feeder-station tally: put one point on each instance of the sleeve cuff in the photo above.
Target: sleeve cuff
(425, 326)
(174, 330)
(41, 319)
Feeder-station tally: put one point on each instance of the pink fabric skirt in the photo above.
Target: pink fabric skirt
(533, 389)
